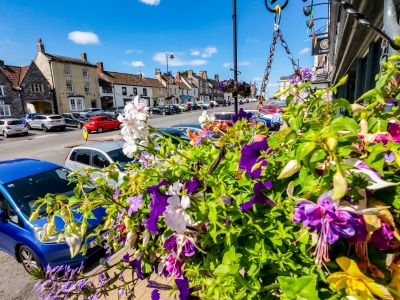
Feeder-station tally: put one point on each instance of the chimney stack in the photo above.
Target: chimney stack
(100, 69)
(178, 76)
(158, 74)
(83, 56)
(1, 63)
(216, 77)
(40, 46)
(190, 73)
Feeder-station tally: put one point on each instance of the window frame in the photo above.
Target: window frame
(67, 71)
(5, 110)
(79, 104)
(144, 92)
(37, 87)
(87, 87)
(124, 91)
(70, 84)
(85, 73)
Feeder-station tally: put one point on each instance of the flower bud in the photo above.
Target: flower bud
(291, 168)
(64, 215)
(50, 227)
(397, 160)
(127, 221)
(74, 242)
(130, 238)
(45, 236)
(83, 228)
(107, 224)
(364, 127)
(146, 237)
(115, 245)
(332, 143)
(356, 108)
(35, 215)
(340, 185)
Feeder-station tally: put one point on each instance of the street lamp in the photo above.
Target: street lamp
(308, 9)
(167, 56)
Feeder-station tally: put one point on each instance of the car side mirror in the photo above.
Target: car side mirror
(2, 215)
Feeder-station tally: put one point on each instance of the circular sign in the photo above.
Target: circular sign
(85, 133)
(324, 44)
(271, 5)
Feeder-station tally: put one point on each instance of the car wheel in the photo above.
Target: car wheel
(28, 259)
(28, 126)
(5, 134)
(79, 125)
(151, 112)
(44, 128)
(25, 133)
(62, 128)
(163, 112)
(100, 129)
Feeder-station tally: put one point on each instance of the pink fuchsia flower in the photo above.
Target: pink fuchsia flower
(172, 266)
(382, 237)
(251, 156)
(181, 245)
(394, 130)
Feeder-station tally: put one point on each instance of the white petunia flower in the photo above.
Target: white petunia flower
(175, 216)
(205, 119)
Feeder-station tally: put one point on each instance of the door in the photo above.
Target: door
(36, 121)
(68, 119)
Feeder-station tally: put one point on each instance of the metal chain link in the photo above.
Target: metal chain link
(384, 55)
(277, 34)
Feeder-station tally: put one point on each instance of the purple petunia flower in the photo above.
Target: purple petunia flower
(116, 194)
(158, 205)
(170, 244)
(394, 130)
(303, 74)
(183, 287)
(251, 155)
(241, 115)
(389, 158)
(137, 265)
(134, 204)
(155, 295)
(186, 249)
(258, 196)
(192, 186)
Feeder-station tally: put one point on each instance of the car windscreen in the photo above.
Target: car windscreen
(78, 116)
(227, 117)
(118, 156)
(15, 122)
(55, 117)
(26, 191)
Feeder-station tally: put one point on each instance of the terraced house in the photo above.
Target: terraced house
(74, 80)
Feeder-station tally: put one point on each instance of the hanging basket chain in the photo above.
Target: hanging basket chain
(277, 34)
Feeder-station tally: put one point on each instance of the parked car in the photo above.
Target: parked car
(90, 112)
(101, 123)
(114, 111)
(260, 116)
(161, 110)
(213, 103)
(280, 103)
(271, 108)
(223, 117)
(74, 119)
(22, 182)
(183, 107)
(166, 132)
(174, 108)
(192, 106)
(242, 101)
(98, 155)
(46, 122)
(29, 116)
(203, 105)
(222, 102)
(12, 127)
(192, 127)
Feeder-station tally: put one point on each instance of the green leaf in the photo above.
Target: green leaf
(298, 288)
(367, 95)
(304, 149)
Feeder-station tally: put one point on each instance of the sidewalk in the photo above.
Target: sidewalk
(141, 291)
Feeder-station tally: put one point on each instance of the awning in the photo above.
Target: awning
(186, 97)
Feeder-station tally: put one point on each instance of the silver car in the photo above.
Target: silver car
(12, 126)
(46, 122)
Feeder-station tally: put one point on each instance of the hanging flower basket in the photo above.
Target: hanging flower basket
(231, 86)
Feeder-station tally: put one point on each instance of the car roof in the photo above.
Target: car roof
(10, 119)
(15, 169)
(193, 125)
(105, 146)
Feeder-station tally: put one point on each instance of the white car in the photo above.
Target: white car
(46, 122)
(12, 126)
(203, 104)
(99, 155)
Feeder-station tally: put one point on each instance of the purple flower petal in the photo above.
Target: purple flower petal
(137, 265)
(183, 287)
(251, 155)
(389, 158)
(170, 244)
(258, 196)
(155, 295)
(241, 115)
(192, 185)
(158, 205)
(382, 237)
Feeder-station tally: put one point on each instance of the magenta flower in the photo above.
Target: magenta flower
(251, 156)
(241, 115)
(259, 196)
(187, 249)
(382, 237)
(134, 204)
(173, 266)
(394, 130)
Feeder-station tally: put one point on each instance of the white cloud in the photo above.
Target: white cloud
(177, 61)
(195, 52)
(251, 40)
(129, 51)
(83, 38)
(209, 51)
(305, 50)
(244, 63)
(150, 2)
(136, 64)
(7, 41)
(227, 65)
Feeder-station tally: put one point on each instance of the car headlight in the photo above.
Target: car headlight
(39, 232)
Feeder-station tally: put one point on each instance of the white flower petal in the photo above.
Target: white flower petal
(174, 201)
(185, 202)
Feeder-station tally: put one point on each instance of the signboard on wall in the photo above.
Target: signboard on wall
(321, 46)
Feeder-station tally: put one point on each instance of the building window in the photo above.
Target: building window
(87, 87)
(144, 92)
(124, 90)
(106, 89)
(76, 104)
(159, 91)
(37, 87)
(134, 91)
(1, 91)
(67, 70)
(93, 103)
(4, 109)
(85, 73)
(70, 88)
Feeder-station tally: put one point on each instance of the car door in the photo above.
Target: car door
(68, 119)
(35, 121)
(10, 226)
(79, 158)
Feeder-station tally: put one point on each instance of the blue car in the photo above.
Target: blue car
(22, 182)
(28, 117)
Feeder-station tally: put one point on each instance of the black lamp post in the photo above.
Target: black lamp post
(310, 23)
(167, 56)
(234, 53)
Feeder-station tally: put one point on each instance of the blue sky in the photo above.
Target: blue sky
(135, 35)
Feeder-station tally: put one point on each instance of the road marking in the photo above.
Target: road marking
(43, 136)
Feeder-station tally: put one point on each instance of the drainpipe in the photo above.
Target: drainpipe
(390, 21)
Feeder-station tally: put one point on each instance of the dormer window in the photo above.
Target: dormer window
(67, 70)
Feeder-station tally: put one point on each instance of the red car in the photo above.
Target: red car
(271, 108)
(101, 123)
